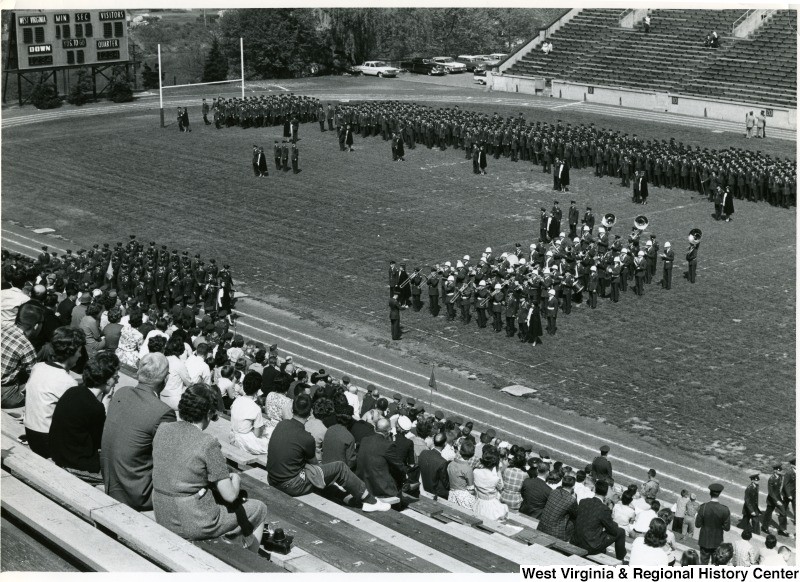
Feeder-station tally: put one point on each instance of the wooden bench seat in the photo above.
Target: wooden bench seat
(136, 531)
(97, 551)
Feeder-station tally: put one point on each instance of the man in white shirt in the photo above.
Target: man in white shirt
(10, 300)
(744, 553)
(196, 366)
(623, 514)
(769, 556)
(47, 383)
(351, 393)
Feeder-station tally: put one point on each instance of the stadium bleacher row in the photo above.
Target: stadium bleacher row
(594, 49)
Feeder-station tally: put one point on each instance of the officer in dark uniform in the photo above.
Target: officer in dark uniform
(255, 161)
(263, 168)
(285, 155)
(295, 159)
(543, 219)
(394, 316)
(277, 154)
(482, 298)
(775, 501)
(205, 112)
(601, 467)
(713, 519)
(668, 258)
(573, 219)
(750, 512)
(416, 292)
(394, 276)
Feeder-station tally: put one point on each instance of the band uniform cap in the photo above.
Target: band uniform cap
(451, 278)
(649, 243)
(552, 292)
(397, 396)
(754, 476)
(482, 284)
(715, 488)
(411, 402)
(533, 246)
(448, 264)
(667, 244)
(370, 388)
(459, 264)
(466, 257)
(346, 379)
(605, 449)
(404, 423)
(522, 261)
(586, 227)
(777, 466)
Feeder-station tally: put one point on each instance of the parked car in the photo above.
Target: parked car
(493, 60)
(479, 76)
(377, 69)
(423, 67)
(471, 61)
(451, 65)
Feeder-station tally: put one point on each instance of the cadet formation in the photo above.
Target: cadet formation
(519, 291)
(556, 148)
(150, 275)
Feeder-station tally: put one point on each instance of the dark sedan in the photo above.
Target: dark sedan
(423, 67)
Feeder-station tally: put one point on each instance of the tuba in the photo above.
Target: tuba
(695, 235)
(641, 222)
(608, 220)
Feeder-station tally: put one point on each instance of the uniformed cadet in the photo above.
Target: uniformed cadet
(751, 513)
(713, 519)
(285, 155)
(775, 501)
(205, 112)
(416, 291)
(295, 159)
(433, 292)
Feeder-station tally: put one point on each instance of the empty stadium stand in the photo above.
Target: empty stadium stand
(762, 69)
(594, 49)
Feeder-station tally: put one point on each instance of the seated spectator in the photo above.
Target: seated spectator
(236, 350)
(292, 462)
(160, 331)
(315, 425)
(194, 494)
(339, 444)
(369, 401)
(133, 416)
(639, 504)
(130, 340)
(197, 368)
(715, 42)
(268, 376)
(648, 550)
(257, 364)
(78, 419)
(595, 530)
(513, 478)
(690, 558)
(449, 451)
(155, 345)
(113, 329)
(277, 407)
(641, 523)
(581, 490)
(488, 485)
(67, 304)
(433, 470)
(90, 326)
(535, 491)
(48, 301)
(178, 378)
(405, 446)
(12, 296)
(378, 464)
(47, 383)
(744, 553)
(558, 517)
(365, 426)
(724, 554)
(18, 355)
(461, 478)
(623, 514)
(769, 556)
(247, 424)
(226, 385)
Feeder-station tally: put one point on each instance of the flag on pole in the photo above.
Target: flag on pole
(110, 271)
(432, 381)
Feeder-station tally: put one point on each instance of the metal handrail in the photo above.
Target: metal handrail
(623, 15)
(741, 19)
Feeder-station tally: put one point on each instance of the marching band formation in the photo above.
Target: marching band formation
(522, 288)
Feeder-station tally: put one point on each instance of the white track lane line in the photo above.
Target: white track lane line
(9, 234)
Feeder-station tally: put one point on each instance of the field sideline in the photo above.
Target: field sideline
(677, 367)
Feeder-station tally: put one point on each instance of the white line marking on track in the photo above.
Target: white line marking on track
(567, 104)
(33, 240)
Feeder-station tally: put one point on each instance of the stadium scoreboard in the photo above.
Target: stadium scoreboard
(66, 38)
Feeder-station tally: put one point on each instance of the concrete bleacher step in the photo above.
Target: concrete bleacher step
(134, 530)
(79, 539)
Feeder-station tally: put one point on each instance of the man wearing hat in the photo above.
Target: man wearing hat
(573, 219)
(433, 292)
(601, 467)
(789, 489)
(552, 311)
(775, 501)
(394, 316)
(482, 297)
(750, 511)
(395, 405)
(369, 401)
(713, 519)
(668, 257)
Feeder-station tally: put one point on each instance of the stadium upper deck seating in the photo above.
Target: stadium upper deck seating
(763, 69)
(593, 49)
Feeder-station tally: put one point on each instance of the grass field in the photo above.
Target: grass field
(708, 367)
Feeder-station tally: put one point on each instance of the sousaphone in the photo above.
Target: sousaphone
(641, 222)
(608, 220)
(695, 235)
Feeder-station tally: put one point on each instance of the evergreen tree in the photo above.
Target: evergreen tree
(216, 67)
(81, 91)
(150, 77)
(45, 95)
(120, 90)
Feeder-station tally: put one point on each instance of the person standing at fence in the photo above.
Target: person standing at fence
(205, 112)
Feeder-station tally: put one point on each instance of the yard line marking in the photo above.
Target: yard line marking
(567, 104)
(423, 392)
(21, 245)
(33, 240)
(455, 388)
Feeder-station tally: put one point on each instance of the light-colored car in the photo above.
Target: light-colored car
(479, 76)
(377, 69)
(450, 64)
(493, 59)
(471, 61)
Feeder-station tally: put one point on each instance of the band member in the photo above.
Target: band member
(522, 317)
(433, 292)
(592, 286)
(466, 302)
(573, 219)
(691, 259)
(404, 287)
(588, 219)
(552, 311)
(616, 275)
(497, 308)
(544, 220)
(534, 325)
(449, 297)
(416, 291)
(255, 161)
(567, 286)
(394, 276)
(668, 258)
(482, 297)
(394, 316)
(640, 265)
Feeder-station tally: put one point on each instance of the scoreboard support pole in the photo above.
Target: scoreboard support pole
(160, 90)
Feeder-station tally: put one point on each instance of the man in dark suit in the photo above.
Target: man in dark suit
(270, 375)
(775, 500)
(713, 519)
(394, 315)
(134, 414)
(573, 219)
(535, 492)
(377, 463)
(601, 467)
(789, 489)
(595, 530)
(750, 512)
(369, 401)
(433, 469)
